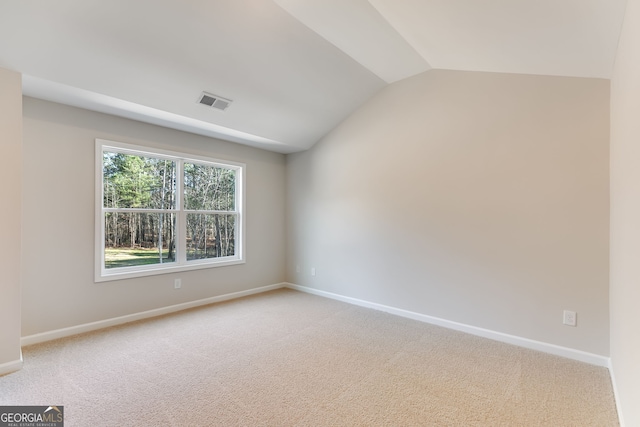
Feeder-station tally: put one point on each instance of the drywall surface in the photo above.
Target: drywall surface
(58, 171)
(10, 218)
(479, 198)
(625, 218)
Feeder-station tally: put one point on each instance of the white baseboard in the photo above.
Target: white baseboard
(582, 356)
(87, 327)
(570, 353)
(13, 366)
(615, 393)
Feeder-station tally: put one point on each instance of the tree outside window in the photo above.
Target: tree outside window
(163, 211)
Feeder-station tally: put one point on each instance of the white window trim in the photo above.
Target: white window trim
(102, 274)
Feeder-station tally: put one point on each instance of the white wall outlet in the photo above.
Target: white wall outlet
(313, 271)
(177, 284)
(297, 269)
(569, 318)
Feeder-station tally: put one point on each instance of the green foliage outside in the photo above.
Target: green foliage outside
(126, 257)
(135, 183)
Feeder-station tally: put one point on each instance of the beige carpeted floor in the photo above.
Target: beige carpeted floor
(286, 358)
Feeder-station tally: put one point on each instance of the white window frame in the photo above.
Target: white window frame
(103, 274)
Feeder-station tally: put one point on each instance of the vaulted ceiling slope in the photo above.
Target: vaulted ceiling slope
(293, 68)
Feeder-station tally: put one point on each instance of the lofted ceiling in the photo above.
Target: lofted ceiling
(294, 69)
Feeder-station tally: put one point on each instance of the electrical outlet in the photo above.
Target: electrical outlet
(569, 318)
(177, 284)
(313, 271)
(297, 269)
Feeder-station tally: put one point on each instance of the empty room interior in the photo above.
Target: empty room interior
(306, 212)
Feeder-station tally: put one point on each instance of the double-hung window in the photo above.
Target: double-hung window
(161, 211)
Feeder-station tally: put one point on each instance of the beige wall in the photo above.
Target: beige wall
(58, 171)
(10, 217)
(478, 198)
(625, 218)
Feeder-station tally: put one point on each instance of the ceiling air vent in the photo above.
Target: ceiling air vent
(214, 101)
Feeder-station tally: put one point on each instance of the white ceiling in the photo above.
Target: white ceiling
(293, 68)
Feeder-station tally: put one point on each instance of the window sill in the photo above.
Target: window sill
(121, 274)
